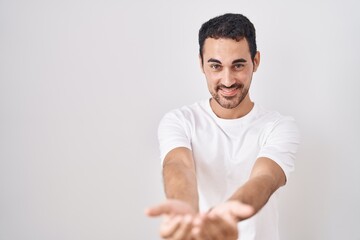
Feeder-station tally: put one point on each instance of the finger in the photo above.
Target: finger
(241, 211)
(196, 234)
(158, 210)
(199, 234)
(169, 227)
(183, 231)
(233, 210)
(197, 231)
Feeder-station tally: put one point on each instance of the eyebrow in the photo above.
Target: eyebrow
(214, 60)
(240, 60)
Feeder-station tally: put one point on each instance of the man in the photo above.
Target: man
(224, 158)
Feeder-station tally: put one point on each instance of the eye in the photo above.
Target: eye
(238, 66)
(216, 67)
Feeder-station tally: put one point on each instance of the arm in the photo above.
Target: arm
(181, 190)
(265, 178)
(281, 143)
(180, 177)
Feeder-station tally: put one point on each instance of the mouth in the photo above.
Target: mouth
(228, 92)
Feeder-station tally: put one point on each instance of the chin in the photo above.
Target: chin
(229, 104)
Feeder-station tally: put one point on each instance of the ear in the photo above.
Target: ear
(201, 63)
(256, 61)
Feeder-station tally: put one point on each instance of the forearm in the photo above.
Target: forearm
(180, 183)
(256, 192)
(180, 177)
(265, 179)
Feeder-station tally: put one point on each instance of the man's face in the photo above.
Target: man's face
(228, 69)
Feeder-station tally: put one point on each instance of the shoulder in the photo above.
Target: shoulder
(272, 118)
(276, 124)
(187, 112)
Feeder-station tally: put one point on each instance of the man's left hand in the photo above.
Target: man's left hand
(220, 223)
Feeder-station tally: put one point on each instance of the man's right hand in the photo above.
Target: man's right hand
(178, 217)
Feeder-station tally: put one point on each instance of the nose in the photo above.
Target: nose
(228, 79)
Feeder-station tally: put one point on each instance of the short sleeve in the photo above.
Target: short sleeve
(174, 131)
(280, 143)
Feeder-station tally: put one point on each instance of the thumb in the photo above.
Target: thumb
(158, 210)
(242, 211)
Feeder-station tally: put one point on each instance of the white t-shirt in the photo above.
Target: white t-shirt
(225, 150)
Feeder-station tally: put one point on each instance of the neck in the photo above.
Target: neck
(241, 110)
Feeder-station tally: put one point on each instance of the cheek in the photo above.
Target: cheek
(212, 76)
(244, 76)
(212, 81)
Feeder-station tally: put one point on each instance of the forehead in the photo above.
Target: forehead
(224, 48)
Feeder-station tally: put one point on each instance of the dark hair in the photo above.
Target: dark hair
(229, 25)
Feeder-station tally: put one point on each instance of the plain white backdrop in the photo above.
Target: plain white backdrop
(83, 85)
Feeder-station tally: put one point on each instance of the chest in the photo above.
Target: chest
(226, 147)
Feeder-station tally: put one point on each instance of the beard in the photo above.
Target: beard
(230, 102)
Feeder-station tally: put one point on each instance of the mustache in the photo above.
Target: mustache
(235, 85)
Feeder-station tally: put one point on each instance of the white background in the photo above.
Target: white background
(83, 85)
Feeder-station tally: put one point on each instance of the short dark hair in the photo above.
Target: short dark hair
(229, 25)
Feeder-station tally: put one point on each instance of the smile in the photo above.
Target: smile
(229, 92)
